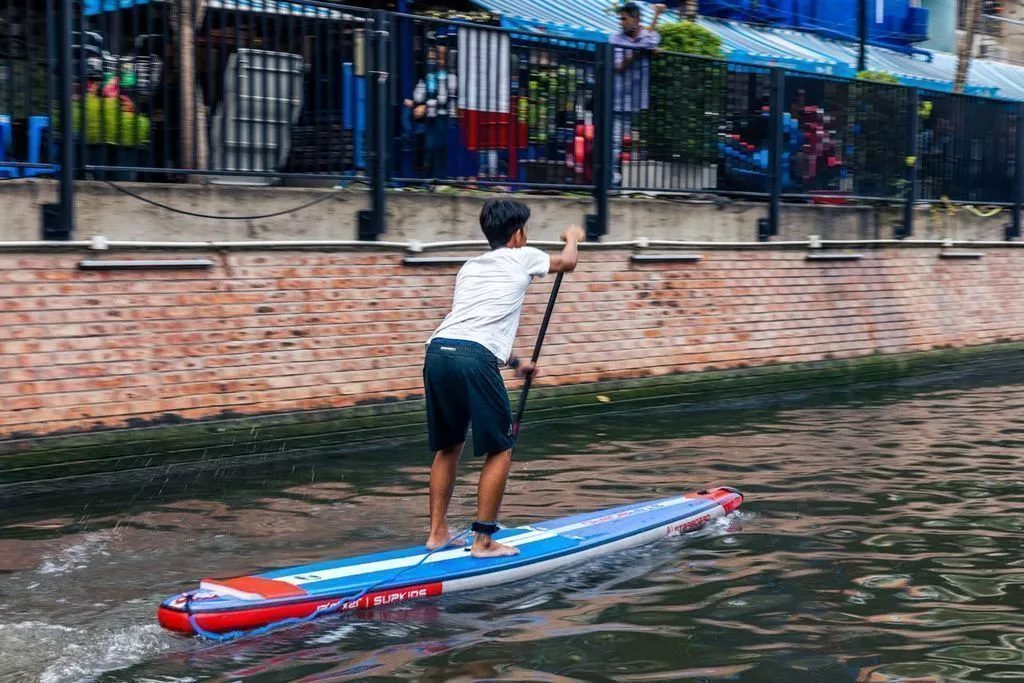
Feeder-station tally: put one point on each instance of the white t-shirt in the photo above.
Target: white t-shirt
(489, 293)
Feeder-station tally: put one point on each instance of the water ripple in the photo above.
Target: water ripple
(881, 541)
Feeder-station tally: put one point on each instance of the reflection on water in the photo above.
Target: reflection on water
(881, 540)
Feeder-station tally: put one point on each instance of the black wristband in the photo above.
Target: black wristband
(514, 363)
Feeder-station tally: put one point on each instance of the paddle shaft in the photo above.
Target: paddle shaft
(536, 352)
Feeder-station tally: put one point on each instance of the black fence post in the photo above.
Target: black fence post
(1013, 230)
(770, 227)
(373, 223)
(604, 88)
(60, 224)
(907, 228)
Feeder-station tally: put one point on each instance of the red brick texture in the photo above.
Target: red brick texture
(278, 331)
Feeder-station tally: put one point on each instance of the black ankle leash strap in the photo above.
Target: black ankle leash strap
(484, 528)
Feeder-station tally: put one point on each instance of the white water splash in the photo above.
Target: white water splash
(77, 556)
(23, 644)
(89, 655)
(334, 635)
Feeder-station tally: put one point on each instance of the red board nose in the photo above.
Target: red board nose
(729, 498)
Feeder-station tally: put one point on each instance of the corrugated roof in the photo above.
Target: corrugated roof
(762, 45)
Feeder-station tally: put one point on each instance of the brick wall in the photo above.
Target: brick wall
(276, 331)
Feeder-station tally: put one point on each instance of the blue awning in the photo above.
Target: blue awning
(595, 20)
(278, 7)
(580, 19)
(295, 9)
(751, 45)
(1008, 78)
(768, 46)
(99, 6)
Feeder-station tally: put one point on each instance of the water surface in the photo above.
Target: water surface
(882, 539)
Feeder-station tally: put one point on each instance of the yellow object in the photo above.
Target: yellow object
(952, 210)
(604, 399)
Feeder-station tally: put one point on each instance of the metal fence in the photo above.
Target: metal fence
(491, 106)
(266, 91)
(845, 139)
(28, 87)
(966, 148)
(261, 90)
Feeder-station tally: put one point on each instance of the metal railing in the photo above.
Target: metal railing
(268, 91)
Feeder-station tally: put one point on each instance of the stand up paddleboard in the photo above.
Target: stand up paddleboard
(248, 602)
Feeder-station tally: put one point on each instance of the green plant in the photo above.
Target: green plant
(878, 77)
(877, 133)
(687, 96)
(691, 39)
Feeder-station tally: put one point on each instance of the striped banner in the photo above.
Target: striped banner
(485, 99)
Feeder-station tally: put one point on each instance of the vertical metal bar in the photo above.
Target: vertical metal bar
(492, 42)
(775, 148)
(267, 118)
(233, 148)
(192, 13)
(280, 102)
(27, 32)
(115, 46)
(318, 79)
(383, 68)
(8, 37)
(150, 95)
(67, 175)
(862, 25)
(83, 89)
(907, 229)
(1018, 178)
(248, 99)
(211, 94)
(51, 58)
(597, 225)
(335, 111)
(372, 224)
(395, 95)
(135, 69)
(165, 33)
(314, 69)
(100, 147)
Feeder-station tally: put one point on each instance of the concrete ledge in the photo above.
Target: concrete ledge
(312, 213)
(665, 258)
(834, 257)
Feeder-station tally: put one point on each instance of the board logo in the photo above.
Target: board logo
(673, 529)
(399, 596)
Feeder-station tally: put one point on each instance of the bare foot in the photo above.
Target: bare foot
(485, 546)
(442, 539)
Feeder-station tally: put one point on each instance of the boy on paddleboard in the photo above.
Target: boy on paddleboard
(461, 372)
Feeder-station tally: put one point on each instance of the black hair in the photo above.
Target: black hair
(501, 218)
(631, 9)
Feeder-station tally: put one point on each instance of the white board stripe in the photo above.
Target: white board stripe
(532, 536)
(530, 570)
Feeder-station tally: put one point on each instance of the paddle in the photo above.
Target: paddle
(536, 353)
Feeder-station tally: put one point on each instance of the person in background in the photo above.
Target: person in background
(633, 46)
(426, 117)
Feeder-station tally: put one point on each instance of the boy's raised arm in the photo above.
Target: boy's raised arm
(566, 261)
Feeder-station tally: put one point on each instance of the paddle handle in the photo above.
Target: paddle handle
(536, 352)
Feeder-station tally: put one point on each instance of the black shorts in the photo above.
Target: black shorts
(463, 386)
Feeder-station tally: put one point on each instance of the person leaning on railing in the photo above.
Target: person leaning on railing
(633, 45)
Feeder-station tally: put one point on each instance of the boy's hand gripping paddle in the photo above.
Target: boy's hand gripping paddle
(536, 354)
